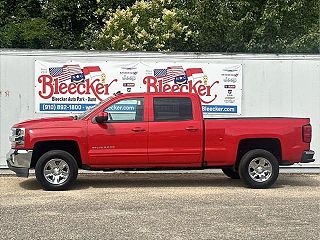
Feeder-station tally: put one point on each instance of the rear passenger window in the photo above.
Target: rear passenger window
(172, 109)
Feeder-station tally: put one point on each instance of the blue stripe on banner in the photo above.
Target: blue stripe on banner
(219, 109)
(64, 107)
(68, 107)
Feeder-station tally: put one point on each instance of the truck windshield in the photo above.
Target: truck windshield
(90, 110)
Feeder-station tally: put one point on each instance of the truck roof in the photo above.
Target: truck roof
(160, 94)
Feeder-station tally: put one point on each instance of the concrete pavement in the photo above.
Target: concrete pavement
(161, 206)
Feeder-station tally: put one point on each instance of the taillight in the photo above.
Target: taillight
(307, 133)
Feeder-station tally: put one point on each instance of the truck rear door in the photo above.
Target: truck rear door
(175, 131)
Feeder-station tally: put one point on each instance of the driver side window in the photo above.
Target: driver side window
(126, 110)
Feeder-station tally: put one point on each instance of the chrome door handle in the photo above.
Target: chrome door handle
(191, 128)
(138, 129)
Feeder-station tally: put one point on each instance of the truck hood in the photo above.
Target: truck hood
(45, 122)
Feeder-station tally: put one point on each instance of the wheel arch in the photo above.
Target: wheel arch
(272, 145)
(69, 146)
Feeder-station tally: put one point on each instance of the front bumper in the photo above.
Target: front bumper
(19, 161)
(307, 156)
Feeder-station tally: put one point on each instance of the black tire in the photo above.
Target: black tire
(255, 177)
(56, 178)
(231, 173)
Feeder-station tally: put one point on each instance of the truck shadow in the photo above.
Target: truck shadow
(146, 180)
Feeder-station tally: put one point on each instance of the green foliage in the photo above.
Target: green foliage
(223, 26)
(261, 26)
(30, 33)
(45, 24)
(106, 5)
(147, 25)
(22, 25)
(70, 18)
(287, 26)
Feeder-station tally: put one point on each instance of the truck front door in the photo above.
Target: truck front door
(122, 141)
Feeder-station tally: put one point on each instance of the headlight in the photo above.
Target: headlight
(17, 137)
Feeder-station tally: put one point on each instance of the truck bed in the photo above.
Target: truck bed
(223, 135)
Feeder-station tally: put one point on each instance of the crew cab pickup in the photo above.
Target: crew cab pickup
(142, 131)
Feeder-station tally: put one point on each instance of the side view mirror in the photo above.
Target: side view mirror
(102, 117)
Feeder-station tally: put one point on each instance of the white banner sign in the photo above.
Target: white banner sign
(75, 86)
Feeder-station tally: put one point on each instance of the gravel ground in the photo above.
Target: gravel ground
(161, 206)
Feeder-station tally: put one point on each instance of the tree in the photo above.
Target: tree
(147, 25)
(69, 19)
(22, 25)
(287, 27)
(222, 26)
(258, 26)
(30, 33)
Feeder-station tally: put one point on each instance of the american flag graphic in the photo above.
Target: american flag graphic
(67, 72)
(169, 74)
(159, 73)
(55, 71)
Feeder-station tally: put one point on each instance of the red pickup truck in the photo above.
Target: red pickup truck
(157, 131)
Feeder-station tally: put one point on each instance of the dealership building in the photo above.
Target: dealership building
(255, 85)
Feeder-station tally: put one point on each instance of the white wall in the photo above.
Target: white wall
(273, 85)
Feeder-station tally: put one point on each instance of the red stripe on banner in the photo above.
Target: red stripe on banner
(89, 69)
(191, 71)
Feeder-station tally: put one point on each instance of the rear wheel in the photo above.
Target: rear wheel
(231, 173)
(259, 168)
(56, 170)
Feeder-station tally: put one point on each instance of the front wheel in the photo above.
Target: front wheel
(259, 168)
(56, 170)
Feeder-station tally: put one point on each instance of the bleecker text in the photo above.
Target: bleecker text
(52, 86)
(157, 86)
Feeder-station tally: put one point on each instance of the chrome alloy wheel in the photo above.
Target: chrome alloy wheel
(56, 171)
(260, 169)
